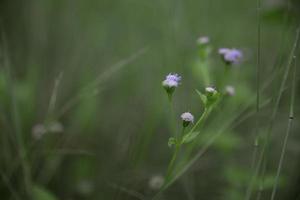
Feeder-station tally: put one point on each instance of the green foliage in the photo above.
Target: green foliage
(40, 193)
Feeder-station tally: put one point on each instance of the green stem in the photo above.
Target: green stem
(172, 162)
(291, 117)
(200, 120)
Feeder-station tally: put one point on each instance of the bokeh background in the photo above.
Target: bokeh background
(80, 83)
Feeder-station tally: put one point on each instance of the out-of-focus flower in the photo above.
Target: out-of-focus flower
(231, 56)
(187, 118)
(230, 90)
(156, 182)
(38, 131)
(203, 40)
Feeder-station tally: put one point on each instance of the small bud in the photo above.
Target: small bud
(204, 40)
(210, 91)
(212, 95)
(230, 90)
(187, 118)
(170, 83)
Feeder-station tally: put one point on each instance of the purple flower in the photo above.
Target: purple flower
(231, 56)
(171, 81)
(187, 118)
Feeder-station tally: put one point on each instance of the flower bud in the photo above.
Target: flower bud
(187, 118)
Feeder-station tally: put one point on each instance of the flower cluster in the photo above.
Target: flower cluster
(172, 80)
(231, 56)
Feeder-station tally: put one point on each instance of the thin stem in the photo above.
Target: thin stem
(16, 121)
(257, 107)
(203, 116)
(172, 114)
(272, 120)
(172, 162)
(290, 120)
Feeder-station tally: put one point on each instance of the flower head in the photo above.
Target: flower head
(231, 56)
(210, 90)
(171, 82)
(230, 90)
(203, 40)
(187, 118)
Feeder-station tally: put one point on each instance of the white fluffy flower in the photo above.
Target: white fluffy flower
(210, 90)
(187, 117)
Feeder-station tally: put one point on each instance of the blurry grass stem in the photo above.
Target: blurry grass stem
(16, 120)
(265, 146)
(290, 120)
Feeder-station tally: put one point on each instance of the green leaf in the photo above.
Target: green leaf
(202, 97)
(190, 137)
(40, 193)
(172, 141)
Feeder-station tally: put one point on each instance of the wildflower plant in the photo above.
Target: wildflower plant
(184, 141)
(209, 98)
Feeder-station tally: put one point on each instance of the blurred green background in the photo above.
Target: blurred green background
(108, 124)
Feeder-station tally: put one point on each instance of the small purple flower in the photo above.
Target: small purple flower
(171, 81)
(231, 56)
(187, 118)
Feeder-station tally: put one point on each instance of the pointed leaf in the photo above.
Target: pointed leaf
(202, 97)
